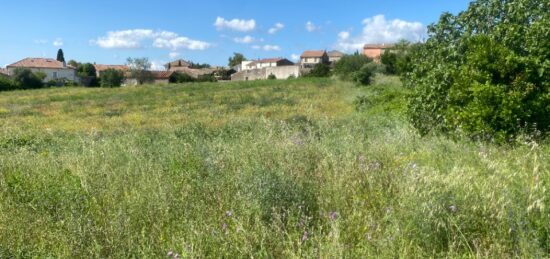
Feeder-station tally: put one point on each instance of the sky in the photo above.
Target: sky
(207, 31)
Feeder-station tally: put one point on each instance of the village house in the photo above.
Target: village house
(53, 69)
(242, 66)
(177, 63)
(4, 72)
(311, 58)
(269, 62)
(334, 56)
(101, 68)
(375, 51)
(159, 77)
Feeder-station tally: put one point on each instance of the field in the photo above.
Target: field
(297, 168)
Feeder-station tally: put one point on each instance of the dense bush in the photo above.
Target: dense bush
(7, 84)
(364, 75)
(206, 78)
(26, 79)
(484, 72)
(181, 78)
(271, 77)
(319, 70)
(397, 60)
(111, 78)
(87, 72)
(349, 64)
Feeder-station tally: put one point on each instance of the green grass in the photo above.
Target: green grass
(300, 168)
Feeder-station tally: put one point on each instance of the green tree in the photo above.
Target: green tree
(6, 84)
(87, 73)
(349, 64)
(236, 59)
(140, 70)
(60, 56)
(111, 78)
(364, 75)
(484, 72)
(26, 79)
(73, 63)
(319, 70)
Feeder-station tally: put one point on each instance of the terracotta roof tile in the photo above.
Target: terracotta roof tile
(313, 53)
(335, 53)
(39, 63)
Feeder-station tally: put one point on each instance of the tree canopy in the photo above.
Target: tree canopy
(236, 59)
(484, 72)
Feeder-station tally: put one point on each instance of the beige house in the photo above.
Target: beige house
(52, 68)
(4, 72)
(334, 56)
(310, 58)
(374, 51)
(269, 62)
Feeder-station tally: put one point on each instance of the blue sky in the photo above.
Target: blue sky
(207, 31)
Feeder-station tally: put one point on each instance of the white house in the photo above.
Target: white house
(52, 68)
(310, 58)
(269, 62)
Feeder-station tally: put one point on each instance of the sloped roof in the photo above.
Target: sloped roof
(313, 54)
(40, 63)
(162, 74)
(335, 53)
(378, 46)
(178, 63)
(194, 72)
(100, 68)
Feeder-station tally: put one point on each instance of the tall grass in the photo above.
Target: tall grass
(300, 168)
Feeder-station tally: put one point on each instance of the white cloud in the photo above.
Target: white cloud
(271, 48)
(246, 39)
(267, 47)
(295, 57)
(379, 30)
(158, 65)
(235, 24)
(41, 41)
(277, 27)
(344, 35)
(311, 27)
(58, 42)
(173, 55)
(132, 39)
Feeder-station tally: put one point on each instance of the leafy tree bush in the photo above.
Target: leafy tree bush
(181, 78)
(271, 77)
(397, 60)
(236, 59)
(206, 78)
(349, 64)
(139, 69)
(111, 78)
(365, 74)
(6, 84)
(87, 73)
(484, 72)
(26, 79)
(319, 70)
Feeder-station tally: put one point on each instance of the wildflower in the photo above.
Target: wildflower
(228, 213)
(452, 209)
(170, 254)
(305, 236)
(333, 215)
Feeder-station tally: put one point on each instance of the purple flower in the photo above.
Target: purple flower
(333, 215)
(305, 236)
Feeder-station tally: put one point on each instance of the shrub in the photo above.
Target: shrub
(350, 64)
(271, 77)
(181, 78)
(320, 70)
(291, 77)
(26, 79)
(206, 78)
(87, 73)
(364, 75)
(6, 84)
(111, 78)
(482, 75)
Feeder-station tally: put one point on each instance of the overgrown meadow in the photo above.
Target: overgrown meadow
(270, 169)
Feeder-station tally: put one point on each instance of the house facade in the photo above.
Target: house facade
(269, 62)
(311, 58)
(177, 63)
(334, 56)
(4, 72)
(375, 51)
(53, 69)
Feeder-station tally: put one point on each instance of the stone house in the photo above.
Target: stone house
(52, 68)
(159, 77)
(177, 63)
(310, 58)
(334, 56)
(374, 51)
